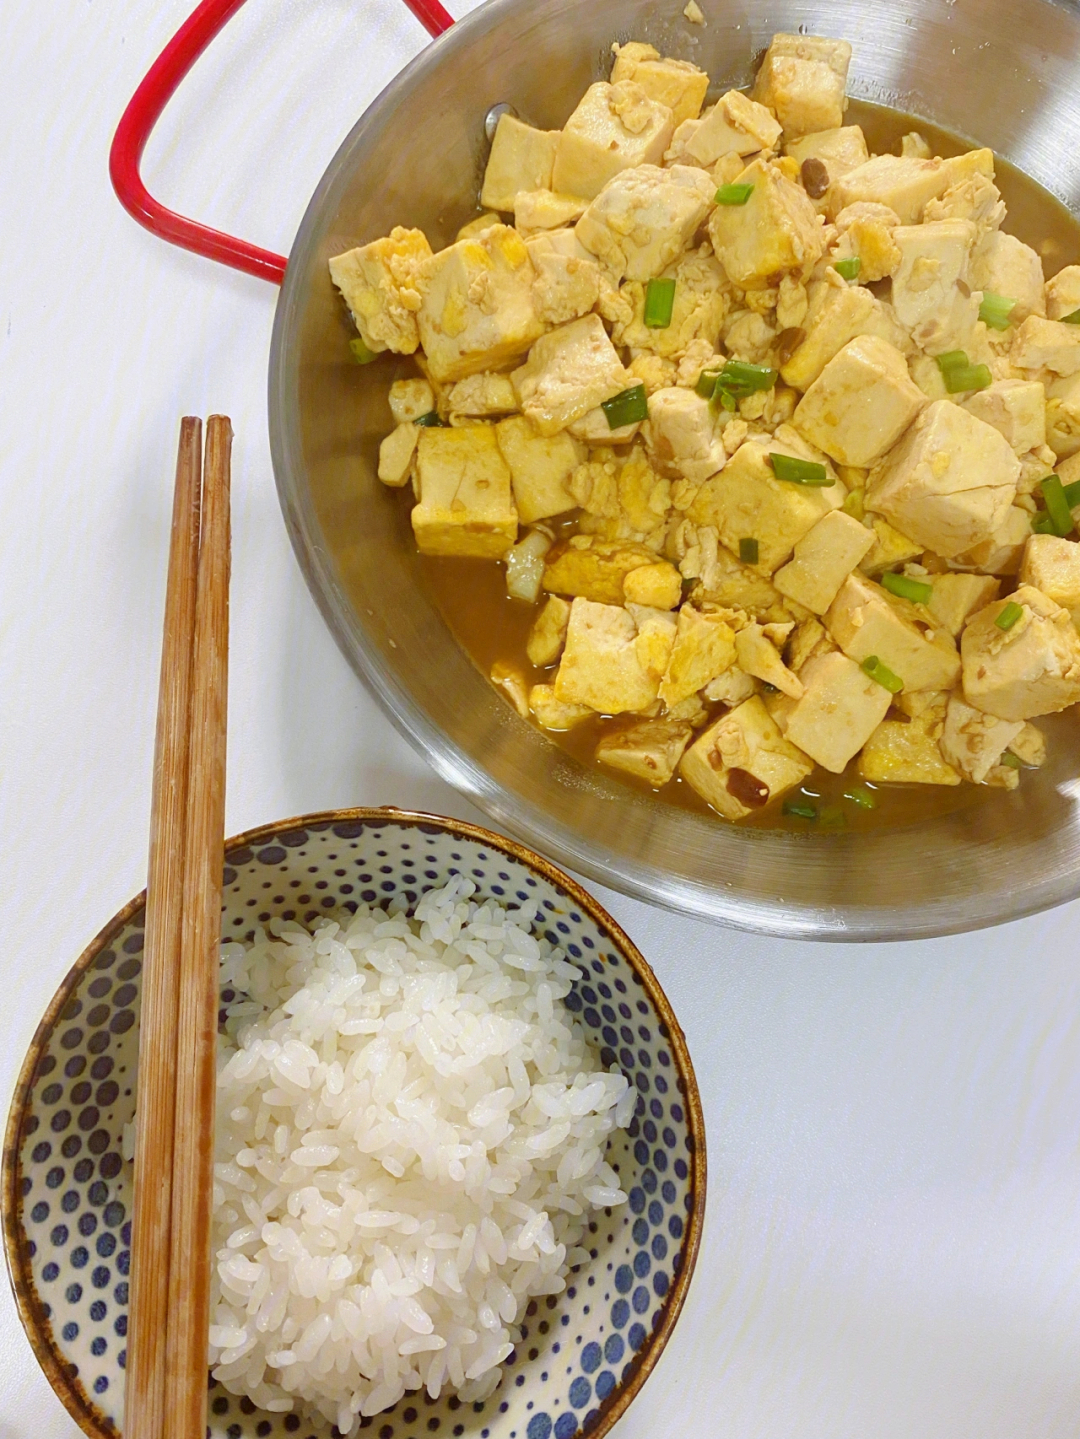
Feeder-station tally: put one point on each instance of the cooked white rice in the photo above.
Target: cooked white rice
(411, 1135)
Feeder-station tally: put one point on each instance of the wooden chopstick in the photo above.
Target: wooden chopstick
(144, 1392)
(193, 1135)
(165, 1391)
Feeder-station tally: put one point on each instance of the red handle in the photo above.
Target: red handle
(143, 112)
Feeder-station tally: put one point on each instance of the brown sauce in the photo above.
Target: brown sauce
(492, 627)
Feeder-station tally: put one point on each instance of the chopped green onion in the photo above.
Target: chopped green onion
(1008, 758)
(1072, 494)
(960, 374)
(995, 310)
(360, 352)
(1042, 524)
(882, 675)
(1073, 319)
(800, 472)
(831, 816)
(917, 591)
(706, 385)
(430, 421)
(740, 375)
(848, 269)
(1009, 615)
(952, 360)
(800, 808)
(734, 194)
(626, 408)
(749, 551)
(727, 399)
(864, 798)
(659, 303)
(1057, 506)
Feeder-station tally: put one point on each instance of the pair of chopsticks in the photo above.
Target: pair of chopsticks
(166, 1377)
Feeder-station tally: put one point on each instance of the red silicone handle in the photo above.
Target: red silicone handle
(143, 112)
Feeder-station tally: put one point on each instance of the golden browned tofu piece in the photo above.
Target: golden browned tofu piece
(658, 585)
(648, 751)
(973, 742)
(548, 633)
(803, 79)
(614, 660)
(867, 621)
(551, 713)
(596, 571)
(775, 231)
(478, 311)
(824, 558)
(839, 711)
(955, 597)
(674, 83)
(1030, 669)
(381, 284)
(541, 467)
(614, 127)
(465, 505)
(569, 372)
(860, 404)
(704, 648)
(899, 753)
(1052, 565)
(837, 315)
(743, 761)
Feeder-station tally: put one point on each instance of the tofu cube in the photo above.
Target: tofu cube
(704, 649)
(866, 234)
(1016, 409)
(1052, 566)
(890, 548)
(465, 505)
(743, 761)
(478, 311)
(949, 483)
(777, 230)
(681, 437)
(1029, 746)
(902, 182)
(1063, 416)
(569, 372)
(1047, 345)
(567, 283)
(380, 283)
(1063, 293)
(614, 127)
(803, 78)
(1001, 552)
(824, 558)
(596, 571)
(658, 585)
(840, 709)
(1031, 669)
(836, 315)
(861, 403)
(548, 633)
(840, 149)
(908, 753)
(482, 395)
(1006, 266)
(649, 751)
(697, 313)
(546, 210)
(478, 225)
(674, 83)
(645, 218)
(521, 159)
(955, 597)
(410, 400)
(865, 620)
(614, 660)
(396, 454)
(973, 742)
(931, 293)
(747, 501)
(540, 467)
(736, 125)
(758, 656)
(554, 714)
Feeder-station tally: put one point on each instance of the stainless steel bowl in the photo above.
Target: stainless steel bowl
(1005, 72)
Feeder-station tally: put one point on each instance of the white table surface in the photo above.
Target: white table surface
(892, 1248)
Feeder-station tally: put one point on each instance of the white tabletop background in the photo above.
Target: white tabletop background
(892, 1248)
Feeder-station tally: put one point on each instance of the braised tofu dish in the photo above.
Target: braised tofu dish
(770, 442)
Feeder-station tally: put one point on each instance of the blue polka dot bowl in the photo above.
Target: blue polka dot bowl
(582, 1356)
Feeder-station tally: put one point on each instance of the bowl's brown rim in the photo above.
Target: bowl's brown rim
(38, 1328)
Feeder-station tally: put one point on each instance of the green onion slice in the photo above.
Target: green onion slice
(831, 816)
(864, 798)
(1057, 506)
(1072, 494)
(1009, 615)
(1008, 758)
(800, 808)
(882, 675)
(800, 472)
(706, 385)
(917, 591)
(734, 194)
(727, 399)
(740, 376)
(749, 551)
(995, 310)
(360, 352)
(1042, 524)
(968, 377)
(849, 269)
(626, 408)
(430, 421)
(1073, 319)
(659, 303)
(952, 360)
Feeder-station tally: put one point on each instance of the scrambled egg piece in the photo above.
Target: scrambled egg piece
(701, 290)
(596, 569)
(908, 753)
(381, 284)
(704, 648)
